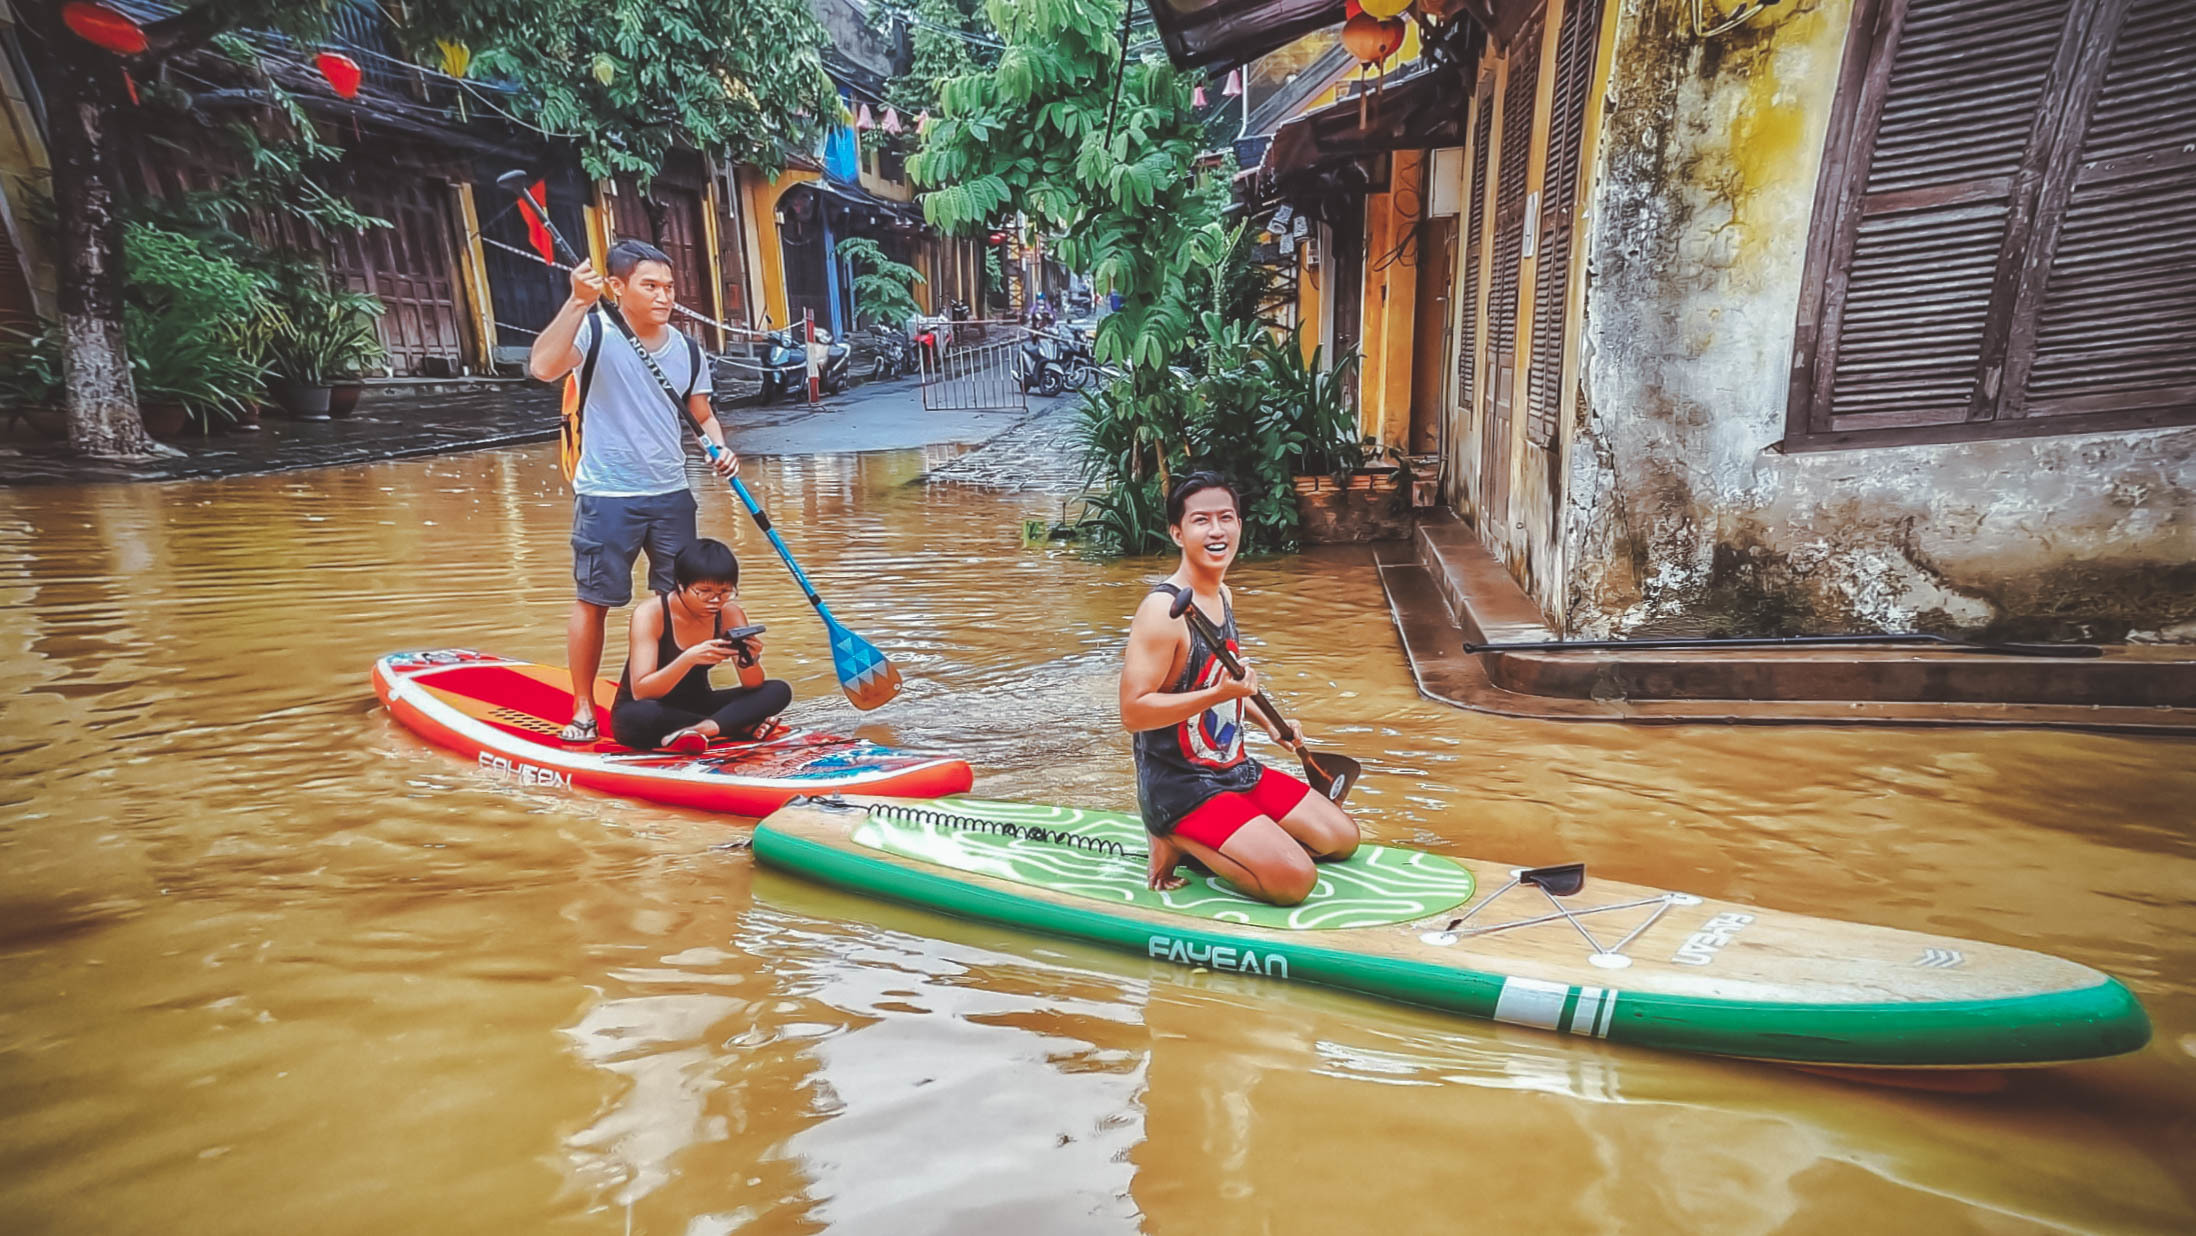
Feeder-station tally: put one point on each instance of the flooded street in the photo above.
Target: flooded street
(269, 964)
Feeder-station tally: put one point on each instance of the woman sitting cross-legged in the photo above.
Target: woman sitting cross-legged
(665, 700)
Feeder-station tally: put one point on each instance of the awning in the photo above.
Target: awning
(853, 196)
(1222, 34)
(1327, 151)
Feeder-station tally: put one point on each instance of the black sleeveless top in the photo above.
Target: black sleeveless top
(1181, 767)
(691, 692)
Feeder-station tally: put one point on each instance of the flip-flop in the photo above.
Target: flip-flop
(687, 742)
(589, 730)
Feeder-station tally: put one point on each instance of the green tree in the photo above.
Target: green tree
(1104, 154)
(884, 289)
(86, 89)
(628, 80)
(946, 39)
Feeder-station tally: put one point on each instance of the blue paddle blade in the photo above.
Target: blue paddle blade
(867, 678)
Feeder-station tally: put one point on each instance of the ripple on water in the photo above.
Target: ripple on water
(261, 944)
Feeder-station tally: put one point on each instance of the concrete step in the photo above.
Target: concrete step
(2138, 690)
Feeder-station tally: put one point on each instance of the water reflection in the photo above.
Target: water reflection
(258, 945)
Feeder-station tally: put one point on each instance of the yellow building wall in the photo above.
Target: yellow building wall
(760, 202)
(1391, 299)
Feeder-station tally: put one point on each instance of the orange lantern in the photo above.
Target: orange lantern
(341, 71)
(103, 27)
(1372, 39)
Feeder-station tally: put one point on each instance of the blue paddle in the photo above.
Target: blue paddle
(868, 679)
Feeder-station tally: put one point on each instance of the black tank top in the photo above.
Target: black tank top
(691, 692)
(1181, 767)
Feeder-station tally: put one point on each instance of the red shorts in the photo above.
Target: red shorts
(1275, 795)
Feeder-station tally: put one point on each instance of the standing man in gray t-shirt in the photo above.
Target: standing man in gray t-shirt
(629, 490)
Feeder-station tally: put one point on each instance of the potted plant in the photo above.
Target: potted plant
(321, 337)
(190, 373)
(30, 380)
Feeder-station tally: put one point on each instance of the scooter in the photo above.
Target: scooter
(1049, 363)
(785, 363)
(892, 352)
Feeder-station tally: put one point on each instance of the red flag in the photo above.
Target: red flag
(532, 206)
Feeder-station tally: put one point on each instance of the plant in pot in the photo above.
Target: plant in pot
(197, 323)
(30, 380)
(322, 337)
(190, 373)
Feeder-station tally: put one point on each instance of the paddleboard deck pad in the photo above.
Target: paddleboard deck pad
(506, 715)
(1614, 961)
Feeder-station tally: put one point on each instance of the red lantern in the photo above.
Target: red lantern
(998, 238)
(1351, 8)
(341, 71)
(1371, 39)
(103, 27)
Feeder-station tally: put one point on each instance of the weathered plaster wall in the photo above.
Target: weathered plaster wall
(1680, 519)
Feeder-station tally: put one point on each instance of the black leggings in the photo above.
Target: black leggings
(644, 724)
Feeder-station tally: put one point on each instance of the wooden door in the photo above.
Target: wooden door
(1470, 375)
(1432, 342)
(1520, 98)
(412, 267)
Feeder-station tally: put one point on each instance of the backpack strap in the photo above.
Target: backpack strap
(693, 365)
(576, 386)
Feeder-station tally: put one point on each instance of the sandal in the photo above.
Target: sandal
(687, 742)
(589, 730)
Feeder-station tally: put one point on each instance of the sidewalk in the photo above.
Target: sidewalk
(1444, 588)
(432, 418)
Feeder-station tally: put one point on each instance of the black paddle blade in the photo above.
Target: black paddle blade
(1183, 599)
(1332, 776)
(1562, 880)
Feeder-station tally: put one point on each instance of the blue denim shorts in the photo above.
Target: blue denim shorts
(608, 534)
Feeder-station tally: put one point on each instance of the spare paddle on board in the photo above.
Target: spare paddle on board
(1330, 774)
(868, 679)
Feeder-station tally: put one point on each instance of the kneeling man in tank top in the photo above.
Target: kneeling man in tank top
(1203, 797)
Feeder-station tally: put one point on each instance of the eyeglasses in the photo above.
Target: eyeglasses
(718, 595)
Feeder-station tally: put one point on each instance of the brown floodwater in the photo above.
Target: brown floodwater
(270, 965)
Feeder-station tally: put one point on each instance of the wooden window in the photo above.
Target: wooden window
(1520, 96)
(2002, 242)
(1475, 215)
(1576, 44)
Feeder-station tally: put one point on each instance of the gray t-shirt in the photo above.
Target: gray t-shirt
(632, 442)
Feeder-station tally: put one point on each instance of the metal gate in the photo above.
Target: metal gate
(974, 366)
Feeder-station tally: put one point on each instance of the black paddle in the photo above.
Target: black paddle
(1330, 774)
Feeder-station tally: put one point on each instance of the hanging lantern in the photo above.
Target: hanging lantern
(922, 121)
(455, 57)
(103, 27)
(341, 71)
(863, 120)
(891, 122)
(1384, 8)
(1371, 39)
(1234, 86)
(1351, 8)
(1197, 97)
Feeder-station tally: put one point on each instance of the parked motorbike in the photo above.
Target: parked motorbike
(892, 352)
(1053, 361)
(785, 363)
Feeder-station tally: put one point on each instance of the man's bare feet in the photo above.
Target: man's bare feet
(1165, 857)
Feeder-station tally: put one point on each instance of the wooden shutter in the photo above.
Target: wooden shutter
(1520, 96)
(2117, 330)
(1475, 215)
(2001, 241)
(1576, 44)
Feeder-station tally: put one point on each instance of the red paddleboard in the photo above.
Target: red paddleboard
(506, 714)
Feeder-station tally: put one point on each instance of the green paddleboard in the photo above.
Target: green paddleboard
(1615, 961)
